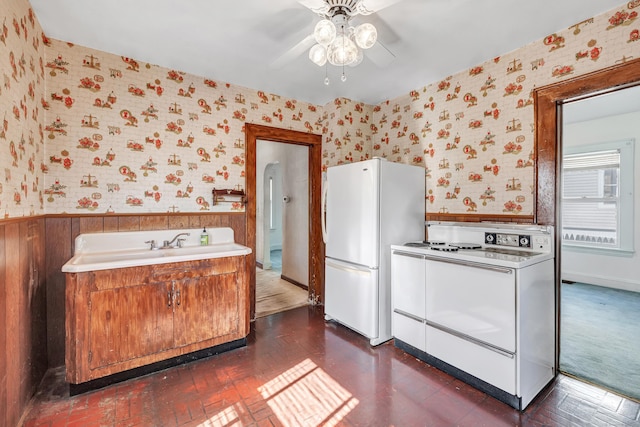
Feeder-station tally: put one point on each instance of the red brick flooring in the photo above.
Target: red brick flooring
(298, 371)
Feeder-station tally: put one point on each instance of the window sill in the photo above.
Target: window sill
(626, 253)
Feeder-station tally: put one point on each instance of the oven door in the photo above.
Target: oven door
(477, 302)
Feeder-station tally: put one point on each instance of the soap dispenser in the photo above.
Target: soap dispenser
(204, 237)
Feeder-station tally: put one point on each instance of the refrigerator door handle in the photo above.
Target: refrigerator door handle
(348, 266)
(323, 222)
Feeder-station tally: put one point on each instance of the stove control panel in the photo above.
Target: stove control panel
(505, 239)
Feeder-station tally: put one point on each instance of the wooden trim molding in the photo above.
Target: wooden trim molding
(549, 126)
(253, 133)
(521, 219)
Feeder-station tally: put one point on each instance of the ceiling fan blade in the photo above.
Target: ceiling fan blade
(301, 47)
(297, 19)
(367, 7)
(380, 55)
(316, 6)
(385, 31)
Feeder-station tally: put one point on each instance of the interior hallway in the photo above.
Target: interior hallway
(273, 294)
(296, 370)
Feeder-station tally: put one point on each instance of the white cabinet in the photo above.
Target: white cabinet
(488, 325)
(408, 289)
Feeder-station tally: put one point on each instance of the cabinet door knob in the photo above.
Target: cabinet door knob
(178, 297)
(169, 299)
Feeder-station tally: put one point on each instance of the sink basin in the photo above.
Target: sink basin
(89, 258)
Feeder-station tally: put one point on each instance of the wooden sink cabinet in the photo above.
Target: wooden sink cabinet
(124, 318)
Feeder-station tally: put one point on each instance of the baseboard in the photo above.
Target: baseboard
(294, 282)
(75, 389)
(511, 400)
(607, 282)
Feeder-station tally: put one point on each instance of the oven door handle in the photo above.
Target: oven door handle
(471, 339)
(495, 268)
(408, 254)
(409, 315)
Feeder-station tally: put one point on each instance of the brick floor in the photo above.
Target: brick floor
(298, 370)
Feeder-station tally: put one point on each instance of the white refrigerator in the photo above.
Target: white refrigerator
(370, 205)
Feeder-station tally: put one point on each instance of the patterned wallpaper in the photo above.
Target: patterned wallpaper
(22, 86)
(347, 133)
(126, 136)
(474, 131)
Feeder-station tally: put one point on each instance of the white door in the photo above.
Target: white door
(352, 213)
(351, 296)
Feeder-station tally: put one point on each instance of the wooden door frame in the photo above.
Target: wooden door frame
(548, 122)
(253, 133)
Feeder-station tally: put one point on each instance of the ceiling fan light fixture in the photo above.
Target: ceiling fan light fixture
(325, 32)
(358, 60)
(343, 51)
(338, 42)
(366, 35)
(318, 55)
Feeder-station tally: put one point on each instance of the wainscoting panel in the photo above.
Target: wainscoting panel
(23, 332)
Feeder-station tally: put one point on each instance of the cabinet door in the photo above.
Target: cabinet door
(408, 298)
(206, 307)
(129, 322)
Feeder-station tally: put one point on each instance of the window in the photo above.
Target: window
(271, 203)
(597, 196)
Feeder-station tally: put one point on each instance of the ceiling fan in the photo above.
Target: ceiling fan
(335, 40)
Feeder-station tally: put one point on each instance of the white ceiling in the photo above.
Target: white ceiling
(605, 105)
(242, 41)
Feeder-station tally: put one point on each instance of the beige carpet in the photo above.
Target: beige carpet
(274, 295)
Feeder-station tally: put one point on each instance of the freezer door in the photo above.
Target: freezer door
(352, 216)
(351, 296)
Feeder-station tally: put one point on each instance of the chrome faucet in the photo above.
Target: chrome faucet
(167, 243)
(153, 244)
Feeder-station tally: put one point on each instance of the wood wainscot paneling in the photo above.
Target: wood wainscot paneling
(3, 323)
(519, 219)
(61, 231)
(23, 344)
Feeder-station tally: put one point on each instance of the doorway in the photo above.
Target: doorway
(549, 101)
(600, 306)
(282, 218)
(315, 254)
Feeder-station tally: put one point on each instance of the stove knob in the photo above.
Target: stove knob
(524, 241)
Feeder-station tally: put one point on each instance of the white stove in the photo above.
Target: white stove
(506, 245)
(477, 300)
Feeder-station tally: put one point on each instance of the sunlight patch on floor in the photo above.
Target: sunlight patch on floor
(226, 418)
(305, 395)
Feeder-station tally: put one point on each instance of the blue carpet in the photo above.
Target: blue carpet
(600, 336)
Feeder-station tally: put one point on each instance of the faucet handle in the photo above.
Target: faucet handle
(152, 243)
(180, 242)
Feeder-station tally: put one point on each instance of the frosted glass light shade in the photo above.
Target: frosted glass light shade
(342, 51)
(318, 55)
(366, 35)
(359, 58)
(324, 32)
